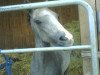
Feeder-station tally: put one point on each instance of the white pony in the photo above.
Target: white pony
(49, 32)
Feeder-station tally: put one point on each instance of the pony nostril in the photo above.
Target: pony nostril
(63, 38)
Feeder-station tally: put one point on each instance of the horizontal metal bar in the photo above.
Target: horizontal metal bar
(45, 49)
(42, 4)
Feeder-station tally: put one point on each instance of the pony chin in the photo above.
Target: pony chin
(61, 44)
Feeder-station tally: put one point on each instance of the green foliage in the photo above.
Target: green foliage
(20, 67)
(74, 28)
(23, 66)
(76, 59)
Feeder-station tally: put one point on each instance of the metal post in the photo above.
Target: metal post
(9, 63)
(62, 3)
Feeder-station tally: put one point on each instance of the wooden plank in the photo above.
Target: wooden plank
(98, 19)
(98, 5)
(98, 23)
(84, 29)
(87, 54)
(87, 68)
(83, 17)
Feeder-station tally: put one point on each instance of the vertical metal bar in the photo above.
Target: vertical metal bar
(9, 63)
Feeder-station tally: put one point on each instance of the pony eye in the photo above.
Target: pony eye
(37, 21)
(58, 17)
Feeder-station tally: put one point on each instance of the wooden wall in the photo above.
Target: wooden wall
(14, 29)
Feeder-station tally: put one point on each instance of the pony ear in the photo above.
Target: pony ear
(28, 10)
(29, 14)
(27, 1)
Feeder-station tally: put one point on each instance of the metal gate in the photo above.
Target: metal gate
(93, 39)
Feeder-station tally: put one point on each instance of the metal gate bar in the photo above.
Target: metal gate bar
(93, 40)
(45, 49)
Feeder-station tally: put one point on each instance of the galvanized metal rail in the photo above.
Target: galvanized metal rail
(45, 49)
(93, 40)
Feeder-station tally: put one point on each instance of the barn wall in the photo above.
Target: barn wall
(67, 13)
(14, 29)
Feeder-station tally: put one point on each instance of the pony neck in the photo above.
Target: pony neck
(40, 43)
